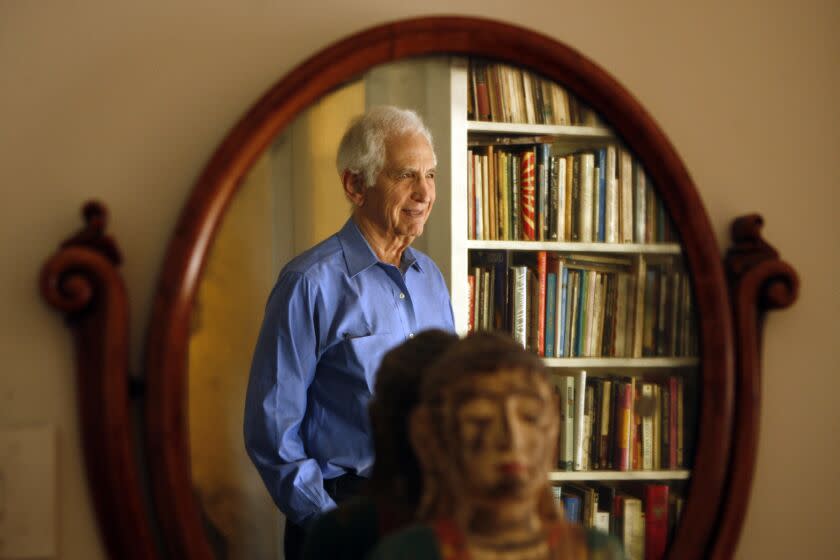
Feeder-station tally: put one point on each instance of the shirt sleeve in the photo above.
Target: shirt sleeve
(282, 369)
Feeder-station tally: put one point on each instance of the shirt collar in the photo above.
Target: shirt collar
(358, 254)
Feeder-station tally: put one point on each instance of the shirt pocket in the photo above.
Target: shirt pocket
(364, 353)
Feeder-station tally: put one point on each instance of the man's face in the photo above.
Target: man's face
(504, 426)
(400, 200)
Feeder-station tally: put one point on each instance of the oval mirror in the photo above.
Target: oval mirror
(612, 274)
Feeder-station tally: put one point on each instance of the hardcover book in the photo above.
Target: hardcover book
(527, 186)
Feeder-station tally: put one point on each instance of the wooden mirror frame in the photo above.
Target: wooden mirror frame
(82, 280)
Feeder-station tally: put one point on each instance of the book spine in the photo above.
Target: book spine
(626, 197)
(542, 269)
(519, 303)
(656, 521)
(624, 421)
(561, 197)
(563, 311)
(611, 185)
(470, 196)
(647, 430)
(601, 174)
(503, 213)
(543, 162)
(527, 186)
(550, 314)
(680, 424)
(576, 191)
(580, 343)
(481, 91)
(634, 529)
(553, 198)
(480, 197)
(580, 407)
(638, 315)
(515, 197)
(567, 423)
(492, 194)
(471, 303)
(639, 189)
(587, 197)
(605, 425)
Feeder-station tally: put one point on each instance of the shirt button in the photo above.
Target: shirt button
(402, 295)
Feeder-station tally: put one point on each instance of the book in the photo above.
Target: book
(611, 210)
(543, 162)
(639, 189)
(489, 165)
(574, 206)
(623, 433)
(566, 392)
(482, 99)
(556, 267)
(605, 425)
(567, 202)
(656, 521)
(471, 303)
(519, 304)
(572, 507)
(579, 421)
(587, 196)
(550, 313)
(601, 190)
(626, 196)
(647, 435)
(638, 299)
(527, 187)
(573, 303)
(539, 304)
(516, 196)
(634, 529)
(496, 263)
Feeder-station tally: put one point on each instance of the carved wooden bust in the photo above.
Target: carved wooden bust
(486, 432)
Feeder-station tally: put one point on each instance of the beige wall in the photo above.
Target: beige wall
(127, 103)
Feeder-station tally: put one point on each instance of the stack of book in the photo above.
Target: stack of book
(621, 423)
(641, 516)
(525, 193)
(504, 93)
(584, 305)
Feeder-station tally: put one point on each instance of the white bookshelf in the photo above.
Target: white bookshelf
(559, 476)
(577, 247)
(437, 89)
(640, 364)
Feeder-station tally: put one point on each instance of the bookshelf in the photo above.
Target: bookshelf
(439, 89)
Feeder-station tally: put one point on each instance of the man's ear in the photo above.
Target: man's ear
(354, 187)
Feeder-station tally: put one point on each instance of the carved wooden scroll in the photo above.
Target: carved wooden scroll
(759, 281)
(82, 281)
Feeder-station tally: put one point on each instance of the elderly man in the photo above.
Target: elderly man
(335, 310)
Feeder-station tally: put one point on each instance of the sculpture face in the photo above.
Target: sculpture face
(502, 432)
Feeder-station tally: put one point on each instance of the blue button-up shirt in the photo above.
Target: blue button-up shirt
(335, 310)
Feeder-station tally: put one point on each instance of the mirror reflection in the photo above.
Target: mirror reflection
(544, 225)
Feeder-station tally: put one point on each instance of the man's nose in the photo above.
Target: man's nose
(423, 190)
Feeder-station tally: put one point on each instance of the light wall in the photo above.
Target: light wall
(126, 104)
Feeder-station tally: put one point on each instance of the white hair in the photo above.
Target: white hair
(362, 148)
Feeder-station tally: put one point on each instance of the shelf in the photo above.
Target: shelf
(621, 363)
(577, 247)
(568, 131)
(619, 475)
